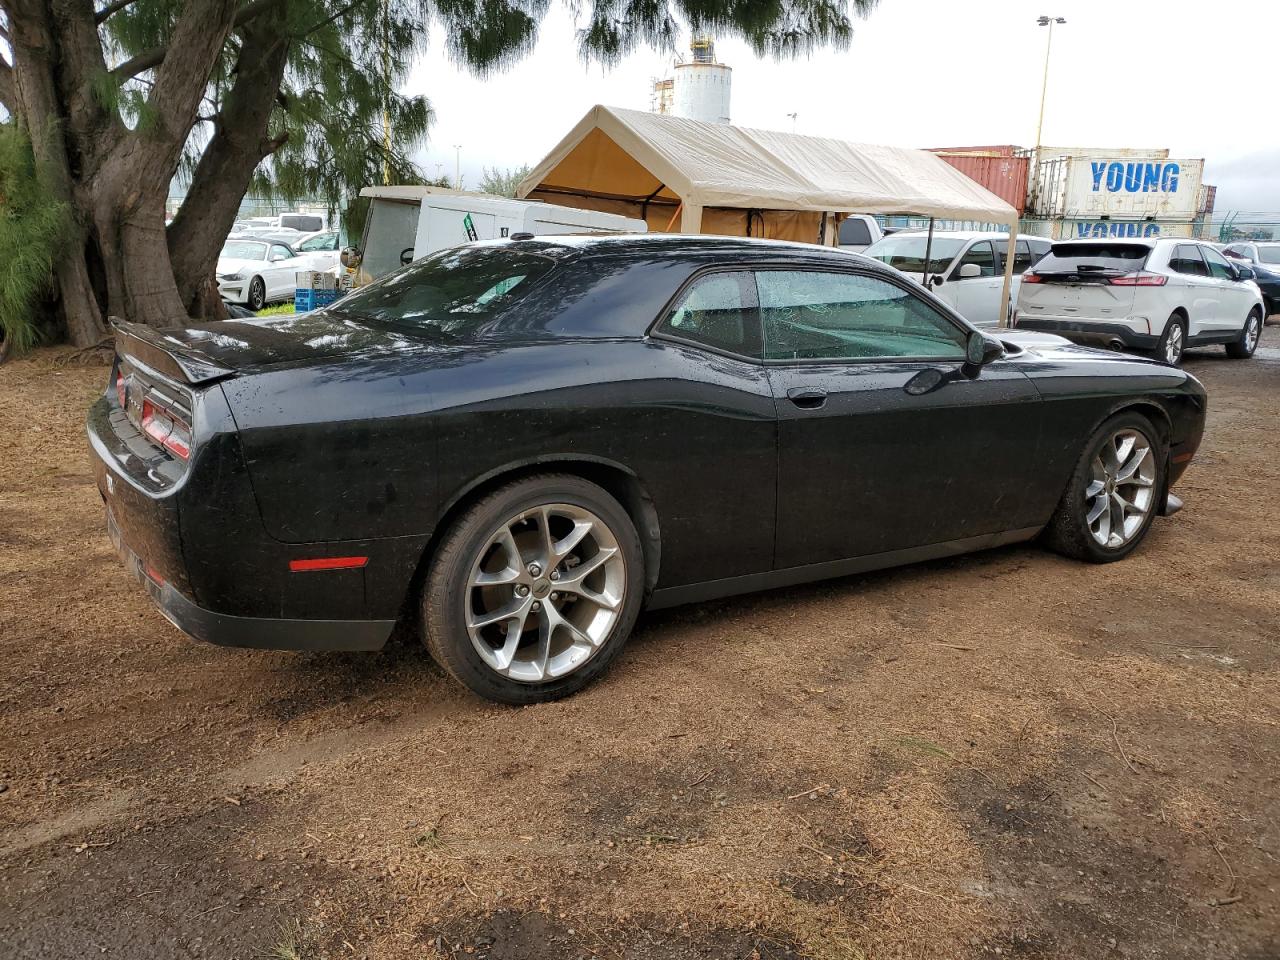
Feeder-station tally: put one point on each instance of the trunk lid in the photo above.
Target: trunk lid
(1075, 280)
(207, 352)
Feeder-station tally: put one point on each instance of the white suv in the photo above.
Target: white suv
(966, 267)
(1162, 294)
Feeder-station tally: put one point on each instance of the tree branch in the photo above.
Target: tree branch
(328, 20)
(155, 56)
(100, 16)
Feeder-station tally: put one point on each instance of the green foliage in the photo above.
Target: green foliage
(349, 60)
(503, 182)
(278, 310)
(33, 232)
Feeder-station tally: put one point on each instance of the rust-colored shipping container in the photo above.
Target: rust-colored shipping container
(1004, 174)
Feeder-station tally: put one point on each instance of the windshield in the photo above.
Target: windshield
(1269, 254)
(243, 250)
(907, 253)
(451, 293)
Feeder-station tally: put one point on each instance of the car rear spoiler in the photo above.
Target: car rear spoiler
(164, 354)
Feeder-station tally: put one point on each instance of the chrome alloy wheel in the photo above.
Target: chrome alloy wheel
(1252, 331)
(1173, 345)
(1121, 491)
(545, 592)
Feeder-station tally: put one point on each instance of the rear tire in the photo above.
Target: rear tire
(1114, 492)
(1173, 341)
(1243, 348)
(534, 590)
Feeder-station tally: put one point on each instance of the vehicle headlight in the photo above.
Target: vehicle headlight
(231, 276)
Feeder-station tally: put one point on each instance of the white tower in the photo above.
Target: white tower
(702, 86)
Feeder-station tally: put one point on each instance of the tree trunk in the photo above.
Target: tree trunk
(116, 179)
(238, 145)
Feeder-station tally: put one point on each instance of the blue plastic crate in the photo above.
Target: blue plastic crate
(305, 299)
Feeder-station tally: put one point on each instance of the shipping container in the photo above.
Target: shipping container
(1115, 188)
(1121, 153)
(1005, 176)
(998, 150)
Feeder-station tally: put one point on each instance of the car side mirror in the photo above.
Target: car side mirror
(937, 280)
(979, 349)
(351, 257)
(1245, 272)
(969, 271)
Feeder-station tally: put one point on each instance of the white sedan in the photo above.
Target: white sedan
(256, 272)
(1160, 293)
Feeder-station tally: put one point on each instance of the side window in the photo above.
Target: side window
(280, 252)
(854, 231)
(808, 315)
(1235, 253)
(1219, 269)
(1022, 258)
(1039, 250)
(1186, 259)
(718, 311)
(981, 254)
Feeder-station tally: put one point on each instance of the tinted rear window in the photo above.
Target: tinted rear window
(854, 232)
(1094, 257)
(450, 294)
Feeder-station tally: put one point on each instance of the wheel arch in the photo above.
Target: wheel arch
(618, 481)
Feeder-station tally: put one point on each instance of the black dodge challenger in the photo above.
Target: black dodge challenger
(515, 446)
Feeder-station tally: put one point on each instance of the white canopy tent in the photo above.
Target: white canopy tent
(718, 178)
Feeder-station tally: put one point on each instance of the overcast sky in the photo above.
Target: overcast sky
(926, 73)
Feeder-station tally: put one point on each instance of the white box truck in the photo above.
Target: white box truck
(406, 223)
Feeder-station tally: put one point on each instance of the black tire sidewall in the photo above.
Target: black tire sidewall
(1078, 536)
(1174, 320)
(1240, 349)
(254, 285)
(446, 583)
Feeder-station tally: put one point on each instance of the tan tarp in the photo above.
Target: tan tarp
(695, 177)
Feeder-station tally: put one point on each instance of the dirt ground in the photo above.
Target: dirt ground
(1004, 754)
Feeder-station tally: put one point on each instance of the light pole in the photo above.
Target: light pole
(457, 166)
(1049, 22)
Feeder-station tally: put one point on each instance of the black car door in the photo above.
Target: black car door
(887, 439)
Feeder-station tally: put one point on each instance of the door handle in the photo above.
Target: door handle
(807, 398)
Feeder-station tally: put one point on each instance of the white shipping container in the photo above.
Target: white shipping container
(1118, 153)
(1116, 188)
(1086, 229)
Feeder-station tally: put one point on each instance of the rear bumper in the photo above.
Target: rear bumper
(1088, 332)
(231, 631)
(213, 572)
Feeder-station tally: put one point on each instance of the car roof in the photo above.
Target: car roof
(698, 246)
(965, 234)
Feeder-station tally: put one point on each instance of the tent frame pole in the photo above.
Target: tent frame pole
(1011, 251)
(928, 256)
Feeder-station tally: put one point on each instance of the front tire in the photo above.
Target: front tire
(1173, 341)
(1114, 492)
(257, 294)
(1243, 348)
(534, 590)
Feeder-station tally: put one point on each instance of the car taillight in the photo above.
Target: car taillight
(1032, 278)
(1140, 279)
(166, 428)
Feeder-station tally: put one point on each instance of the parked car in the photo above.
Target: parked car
(1163, 294)
(525, 442)
(858, 231)
(320, 249)
(966, 267)
(256, 272)
(1263, 257)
